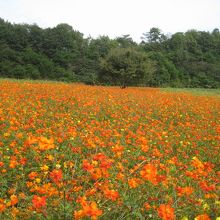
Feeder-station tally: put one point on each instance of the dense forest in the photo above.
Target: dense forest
(190, 59)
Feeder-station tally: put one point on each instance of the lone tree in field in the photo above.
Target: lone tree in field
(126, 66)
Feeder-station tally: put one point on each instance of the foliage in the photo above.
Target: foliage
(190, 59)
(126, 66)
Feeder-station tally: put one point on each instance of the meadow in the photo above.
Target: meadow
(71, 151)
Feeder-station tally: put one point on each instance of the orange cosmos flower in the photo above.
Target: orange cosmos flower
(32, 175)
(89, 209)
(120, 176)
(87, 166)
(79, 214)
(147, 206)
(205, 187)
(149, 172)
(202, 217)
(133, 182)
(23, 161)
(184, 191)
(197, 163)
(2, 205)
(111, 194)
(56, 175)
(106, 164)
(13, 163)
(92, 211)
(144, 148)
(96, 173)
(118, 150)
(39, 202)
(50, 157)
(46, 144)
(166, 212)
(14, 199)
(31, 140)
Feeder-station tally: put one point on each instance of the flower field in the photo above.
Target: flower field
(70, 151)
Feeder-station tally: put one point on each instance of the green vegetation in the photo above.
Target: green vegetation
(194, 91)
(126, 66)
(190, 59)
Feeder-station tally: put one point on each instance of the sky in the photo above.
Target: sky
(116, 17)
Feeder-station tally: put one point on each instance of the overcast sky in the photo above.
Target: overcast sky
(115, 17)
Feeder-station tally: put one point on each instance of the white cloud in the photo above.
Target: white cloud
(115, 17)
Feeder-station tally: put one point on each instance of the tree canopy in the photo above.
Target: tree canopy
(126, 66)
(190, 59)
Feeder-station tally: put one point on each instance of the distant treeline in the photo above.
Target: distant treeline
(190, 59)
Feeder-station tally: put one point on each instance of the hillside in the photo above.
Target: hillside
(190, 59)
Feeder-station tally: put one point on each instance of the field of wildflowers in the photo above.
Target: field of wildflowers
(71, 151)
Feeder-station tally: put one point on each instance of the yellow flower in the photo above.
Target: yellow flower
(6, 134)
(58, 166)
(37, 180)
(217, 203)
(44, 168)
(50, 157)
(94, 162)
(206, 206)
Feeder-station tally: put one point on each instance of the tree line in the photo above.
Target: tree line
(190, 59)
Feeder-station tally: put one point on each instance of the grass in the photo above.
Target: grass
(194, 91)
